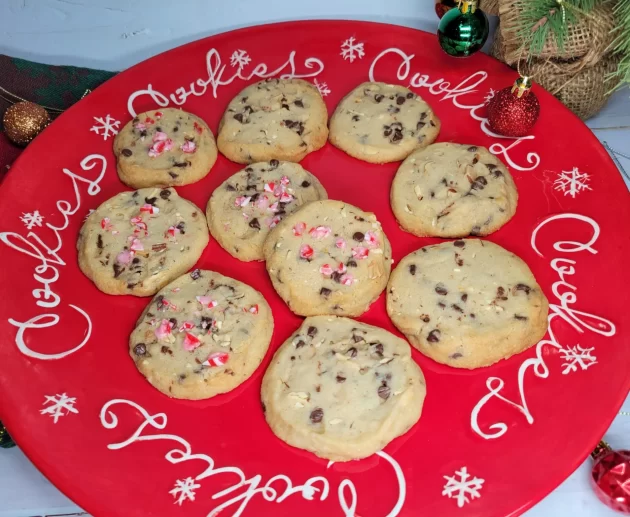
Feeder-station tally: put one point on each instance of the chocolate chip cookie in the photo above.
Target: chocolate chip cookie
(202, 335)
(137, 242)
(246, 206)
(329, 257)
(453, 190)
(342, 389)
(380, 123)
(467, 303)
(163, 148)
(282, 119)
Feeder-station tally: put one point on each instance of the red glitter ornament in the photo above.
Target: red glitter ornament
(611, 477)
(514, 110)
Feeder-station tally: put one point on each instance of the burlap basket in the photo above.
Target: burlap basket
(489, 7)
(587, 41)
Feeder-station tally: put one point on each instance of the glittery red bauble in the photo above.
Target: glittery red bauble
(510, 115)
(611, 479)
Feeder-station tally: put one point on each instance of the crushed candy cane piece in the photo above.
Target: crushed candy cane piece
(106, 224)
(306, 252)
(140, 126)
(347, 279)
(262, 202)
(298, 229)
(273, 207)
(158, 115)
(370, 238)
(149, 208)
(341, 268)
(124, 257)
(242, 201)
(286, 198)
(172, 231)
(159, 136)
(136, 219)
(270, 187)
(253, 309)
(340, 243)
(188, 147)
(274, 221)
(136, 245)
(191, 342)
(360, 252)
(164, 329)
(141, 228)
(320, 232)
(326, 270)
(206, 301)
(285, 180)
(149, 120)
(159, 147)
(197, 128)
(216, 359)
(176, 290)
(187, 325)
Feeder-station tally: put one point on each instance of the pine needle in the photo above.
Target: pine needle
(621, 44)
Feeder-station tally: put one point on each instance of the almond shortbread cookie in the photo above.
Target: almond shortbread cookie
(329, 257)
(453, 190)
(467, 303)
(243, 209)
(202, 335)
(282, 119)
(342, 389)
(164, 147)
(137, 242)
(380, 123)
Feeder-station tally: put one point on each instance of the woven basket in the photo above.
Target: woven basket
(490, 7)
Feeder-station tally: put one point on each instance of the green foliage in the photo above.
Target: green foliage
(621, 44)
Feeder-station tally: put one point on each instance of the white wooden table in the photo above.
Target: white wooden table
(115, 34)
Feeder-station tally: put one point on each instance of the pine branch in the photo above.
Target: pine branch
(621, 44)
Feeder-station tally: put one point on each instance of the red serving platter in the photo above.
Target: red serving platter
(490, 442)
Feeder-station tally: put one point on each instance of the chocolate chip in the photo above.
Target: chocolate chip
(420, 125)
(165, 194)
(475, 160)
(336, 276)
(472, 315)
(254, 223)
(298, 103)
(523, 287)
(325, 292)
(316, 415)
(143, 133)
(501, 293)
(126, 152)
(99, 242)
(351, 263)
(285, 106)
(140, 349)
(378, 348)
(297, 126)
(434, 336)
(425, 318)
(393, 109)
(472, 149)
(479, 183)
(457, 308)
(173, 321)
(464, 297)
(173, 175)
(239, 117)
(412, 269)
(274, 163)
(352, 352)
(117, 270)
(378, 97)
(135, 260)
(305, 184)
(181, 227)
(166, 350)
(441, 289)
(355, 118)
(300, 344)
(264, 408)
(358, 236)
(397, 136)
(195, 274)
(312, 331)
(229, 188)
(159, 299)
(175, 129)
(459, 260)
(400, 100)
(476, 230)
(384, 391)
(519, 317)
(497, 174)
(150, 200)
(340, 378)
(356, 338)
(456, 355)
(411, 95)
(441, 305)
(181, 165)
(206, 322)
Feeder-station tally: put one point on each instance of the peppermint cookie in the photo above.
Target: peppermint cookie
(247, 205)
(453, 190)
(329, 257)
(283, 119)
(163, 148)
(342, 389)
(202, 335)
(137, 242)
(467, 303)
(380, 123)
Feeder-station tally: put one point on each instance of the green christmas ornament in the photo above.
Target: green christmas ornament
(463, 31)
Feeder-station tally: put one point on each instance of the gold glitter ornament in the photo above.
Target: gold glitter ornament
(23, 121)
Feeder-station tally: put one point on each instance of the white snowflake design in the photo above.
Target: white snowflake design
(576, 356)
(184, 490)
(350, 49)
(240, 58)
(58, 404)
(32, 219)
(460, 487)
(489, 96)
(572, 182)
(323, 88)
(106, 126)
